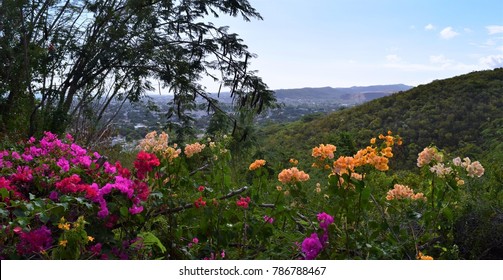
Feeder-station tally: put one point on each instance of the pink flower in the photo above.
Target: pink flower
(200, 188)
(23, 174)
(15, 155)
(110, 169)
(195, 240)
(243, 202)
(135, 209)
(268, 219)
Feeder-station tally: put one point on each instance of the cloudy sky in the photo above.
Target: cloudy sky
(341, 43)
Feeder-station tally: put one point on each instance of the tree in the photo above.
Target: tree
(68, 59)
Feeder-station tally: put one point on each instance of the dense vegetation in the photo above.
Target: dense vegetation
(222, 198)
(461, 114)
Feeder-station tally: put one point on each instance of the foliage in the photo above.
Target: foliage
(60, 201)
(63, 62)
(461, 114)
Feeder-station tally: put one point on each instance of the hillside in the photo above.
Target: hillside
(461, 114)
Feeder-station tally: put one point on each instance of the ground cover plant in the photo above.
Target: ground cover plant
(62, 201)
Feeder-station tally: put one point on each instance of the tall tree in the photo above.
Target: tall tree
(63, 58)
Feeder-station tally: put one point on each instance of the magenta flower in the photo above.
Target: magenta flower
(268, 219)
(63, 164)
(34, 241)
(311, 247)
(325, 220)
(135, 209)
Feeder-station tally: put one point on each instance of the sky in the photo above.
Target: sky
(344, 43)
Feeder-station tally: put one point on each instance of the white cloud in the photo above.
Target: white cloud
(429, 27)
(393, 58)
(448, 33)
(440, 59)
(492, 61)
(494, 29)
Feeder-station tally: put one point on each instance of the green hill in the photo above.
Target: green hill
(462, 115)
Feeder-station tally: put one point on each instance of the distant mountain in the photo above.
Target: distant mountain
(351, 94)
(462, 114)
(347, 96)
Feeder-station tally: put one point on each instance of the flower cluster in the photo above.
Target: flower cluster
(428, 155)
(199, 202)
(243, 202)
(441, 170)
(371, 155)
(312, 245)
(144, 163)
(53, 167)
(403, 192)
(292, 175)
(472, 168)
(159, 145)
(257, 164)
(323, 151)
(34, 242)
(192, 149)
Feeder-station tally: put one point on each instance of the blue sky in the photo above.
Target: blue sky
(341, 43)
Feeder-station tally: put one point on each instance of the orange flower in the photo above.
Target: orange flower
(292, 175)
(343, 165)
(420, 256)
(387, 152)
(403, 192)
(324, 151)
(257, 164)
(192, 149)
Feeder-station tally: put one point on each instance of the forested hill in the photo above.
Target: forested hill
(463, 114)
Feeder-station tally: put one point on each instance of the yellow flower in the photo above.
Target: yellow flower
(90, 238)
(420, 256)
(373, 141)
(64, 226)
(63, 243)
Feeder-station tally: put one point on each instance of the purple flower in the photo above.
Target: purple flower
(96, 249)
(311, 247)
(325, 220)
(54, 196)
(34, 241)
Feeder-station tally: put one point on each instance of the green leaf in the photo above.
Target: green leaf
(124, 211)
(149, 239)
(4, 193)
